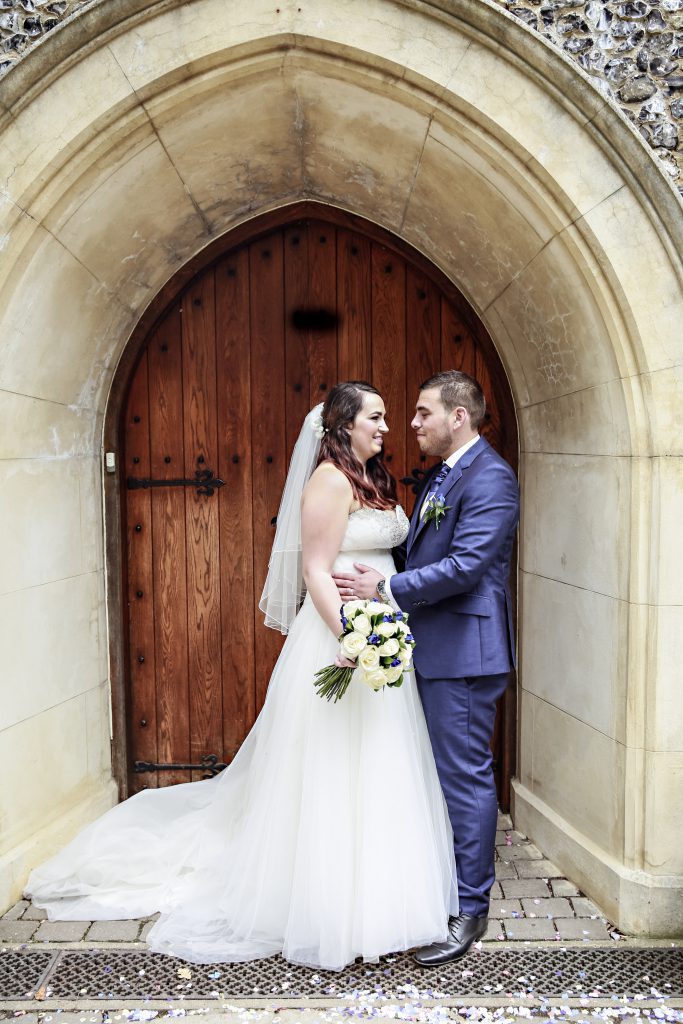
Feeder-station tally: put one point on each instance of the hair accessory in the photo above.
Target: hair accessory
(317, 426)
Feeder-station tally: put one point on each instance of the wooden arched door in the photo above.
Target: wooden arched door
(222, 383)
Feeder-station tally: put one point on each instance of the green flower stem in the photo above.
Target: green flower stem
(332, 682)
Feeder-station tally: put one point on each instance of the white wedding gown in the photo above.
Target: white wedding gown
(327, 838)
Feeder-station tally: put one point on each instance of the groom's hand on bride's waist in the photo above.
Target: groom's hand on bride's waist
(361, 584)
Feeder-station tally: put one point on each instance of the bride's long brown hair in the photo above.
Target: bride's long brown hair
(375, 489)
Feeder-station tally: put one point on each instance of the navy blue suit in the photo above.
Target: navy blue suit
(455, 587)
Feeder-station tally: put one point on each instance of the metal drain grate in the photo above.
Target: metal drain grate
(130, 974)
(21, 972)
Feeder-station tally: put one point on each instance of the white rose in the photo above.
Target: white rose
(406, 657)
(386, 628)
(352, 608)
(394, 674)
(369, 659)
(377, 608)
(352, 644)
(362, 624)
(376, 679)
(402, 628)
(389, 648)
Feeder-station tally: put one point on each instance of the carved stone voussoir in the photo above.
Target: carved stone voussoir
(631, 49)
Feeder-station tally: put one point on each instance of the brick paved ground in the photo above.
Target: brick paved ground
(530, 900)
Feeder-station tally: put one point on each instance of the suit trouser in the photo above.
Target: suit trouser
(460, 717)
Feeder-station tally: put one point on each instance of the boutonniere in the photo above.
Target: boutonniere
(436, 509)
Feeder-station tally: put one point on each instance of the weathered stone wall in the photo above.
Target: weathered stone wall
(633, 51)
(25, 22)
(631, 48)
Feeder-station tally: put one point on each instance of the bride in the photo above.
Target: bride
(327, 837)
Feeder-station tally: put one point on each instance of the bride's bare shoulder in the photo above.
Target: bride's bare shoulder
(328, 481)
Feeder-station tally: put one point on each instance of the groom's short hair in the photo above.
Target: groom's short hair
(458, 388)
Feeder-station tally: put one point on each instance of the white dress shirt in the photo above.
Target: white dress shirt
(450, 461)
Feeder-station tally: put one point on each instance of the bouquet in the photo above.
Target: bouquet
(378, 639)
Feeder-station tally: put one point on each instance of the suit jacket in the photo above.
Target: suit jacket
(455, 585)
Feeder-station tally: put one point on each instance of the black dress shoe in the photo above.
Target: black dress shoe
(463, 931)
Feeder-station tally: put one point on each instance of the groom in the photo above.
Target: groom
(455, 588)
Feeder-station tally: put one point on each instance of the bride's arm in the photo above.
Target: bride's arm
(325, 508)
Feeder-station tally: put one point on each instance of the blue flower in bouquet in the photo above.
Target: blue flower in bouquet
(376, 645)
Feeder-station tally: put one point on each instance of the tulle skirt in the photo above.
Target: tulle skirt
(327, 838)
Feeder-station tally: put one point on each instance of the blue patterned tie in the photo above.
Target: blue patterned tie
(435, 484)
(439, 479)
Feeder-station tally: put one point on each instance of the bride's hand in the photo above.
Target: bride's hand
(341, 661)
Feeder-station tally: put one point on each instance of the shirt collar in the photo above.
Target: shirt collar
(457, 455)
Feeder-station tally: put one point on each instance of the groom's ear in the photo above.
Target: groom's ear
(459, 417)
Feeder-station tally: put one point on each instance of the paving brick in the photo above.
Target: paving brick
(146, 929)
(516, 888)
(505, 870)
(583, 907)
(582, 928)
(61, 931)
(504, 821)
(537, 869)
(16, 931)
(563, 887)
(35, 914)
(494, 932)
(505, 908)
(113, 931)
(15, 912)
(547, 907)
(538, 928)
(522, 851)
(496, 892)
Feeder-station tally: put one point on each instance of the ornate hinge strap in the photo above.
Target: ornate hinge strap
(204, 480)
(209, 764)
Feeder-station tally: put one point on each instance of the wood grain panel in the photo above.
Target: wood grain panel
(423, 332)
(201, 518)
(324, 371)
(140, 584)
(233, 384)
(298, 339)
(233, 366)
(354, 301)
(457, 342)
(388, 360)
(168, 520)
(268, 451)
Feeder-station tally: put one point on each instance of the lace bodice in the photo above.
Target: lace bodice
(375, 529)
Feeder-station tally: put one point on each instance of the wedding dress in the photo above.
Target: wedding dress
(326, 838)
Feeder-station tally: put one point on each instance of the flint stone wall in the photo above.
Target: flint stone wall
(632, 50)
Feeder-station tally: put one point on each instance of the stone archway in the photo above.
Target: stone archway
(134, 137)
